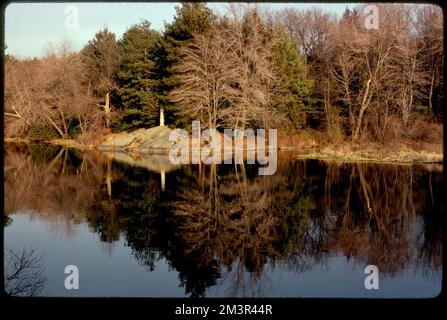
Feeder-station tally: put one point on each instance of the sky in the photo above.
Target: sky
(31, 27)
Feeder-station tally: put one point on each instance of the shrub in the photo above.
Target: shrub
(94, 137)
(43, 132)
(425, 131)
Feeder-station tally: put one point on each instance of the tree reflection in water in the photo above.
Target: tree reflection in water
(24, 272)
(226, 223)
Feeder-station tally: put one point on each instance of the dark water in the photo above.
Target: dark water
(307, 231)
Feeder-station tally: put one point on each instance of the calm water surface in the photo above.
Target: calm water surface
(150, 229)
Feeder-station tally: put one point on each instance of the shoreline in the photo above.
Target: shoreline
(356, 159)
(399, 156)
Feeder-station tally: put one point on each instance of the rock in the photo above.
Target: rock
(155, 139)
(118, 141)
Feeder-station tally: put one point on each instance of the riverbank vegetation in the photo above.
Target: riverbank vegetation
(323, 81)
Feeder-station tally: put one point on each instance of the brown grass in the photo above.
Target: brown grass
(93, 138)
(423, 144)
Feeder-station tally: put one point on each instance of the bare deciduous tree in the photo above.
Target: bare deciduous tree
(24, 273)
(229, 75)
(205, 76)
(20, 81)
(50, 91)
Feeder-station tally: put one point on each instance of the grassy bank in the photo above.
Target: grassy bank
(70, 143)
(319, 145)
(313, 144)
(400, 156)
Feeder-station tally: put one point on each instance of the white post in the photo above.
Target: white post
(162, 117)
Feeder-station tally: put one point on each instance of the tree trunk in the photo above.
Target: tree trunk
(80, 124)
(61, 112)
(363, 107)
(430, 97)
(55, 125)
(107, 110)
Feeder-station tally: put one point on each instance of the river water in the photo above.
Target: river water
(151, 229)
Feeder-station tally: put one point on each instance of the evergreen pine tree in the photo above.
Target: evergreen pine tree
(137, 78)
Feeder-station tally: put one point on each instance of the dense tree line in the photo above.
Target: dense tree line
(293, 69)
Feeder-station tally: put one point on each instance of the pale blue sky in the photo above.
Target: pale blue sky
(30, 27)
